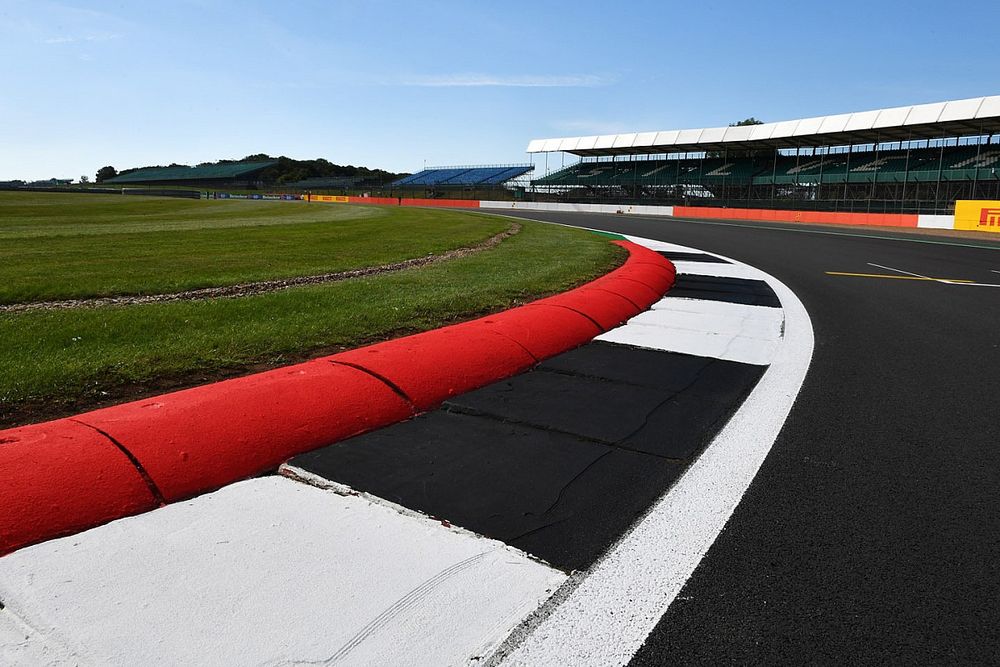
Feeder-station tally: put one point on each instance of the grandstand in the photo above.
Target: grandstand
(323, 183)
(908, 159)
(464, 177)
(235, 174)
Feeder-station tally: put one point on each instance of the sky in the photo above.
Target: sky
(397, 85)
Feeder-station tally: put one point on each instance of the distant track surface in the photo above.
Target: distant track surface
(871, 533)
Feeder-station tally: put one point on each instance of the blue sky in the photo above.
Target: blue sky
(395, 84)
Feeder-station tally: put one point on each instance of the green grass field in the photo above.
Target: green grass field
(71, 246)
(52, 361)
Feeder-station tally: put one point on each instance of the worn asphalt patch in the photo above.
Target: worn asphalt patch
(558, 461)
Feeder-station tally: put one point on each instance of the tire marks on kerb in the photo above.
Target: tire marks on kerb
(267, 571)
(412, 598)
(610, 612)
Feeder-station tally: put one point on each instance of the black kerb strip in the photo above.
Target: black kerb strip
(678, 256)
(731, 290)
(559, 461)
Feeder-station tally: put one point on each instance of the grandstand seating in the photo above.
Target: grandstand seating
(429, 177)
(506, 175)
(321, 182)
(473, 176)
(185, 173)
(953, 163)
(462, 176)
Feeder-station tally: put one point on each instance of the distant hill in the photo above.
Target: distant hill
(287, 170)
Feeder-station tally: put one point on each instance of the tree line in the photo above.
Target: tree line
(285, 170)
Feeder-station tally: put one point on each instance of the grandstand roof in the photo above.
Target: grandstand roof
(980, 115)
(184, 173)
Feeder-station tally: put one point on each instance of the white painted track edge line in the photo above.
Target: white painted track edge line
(943, 281)
(608, 615)
(905, 273)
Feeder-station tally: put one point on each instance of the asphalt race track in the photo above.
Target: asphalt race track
(650, 496)
(872, 532)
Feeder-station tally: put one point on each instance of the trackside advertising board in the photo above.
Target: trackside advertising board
(980, 216)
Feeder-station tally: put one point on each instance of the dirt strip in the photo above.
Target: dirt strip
(264, 286)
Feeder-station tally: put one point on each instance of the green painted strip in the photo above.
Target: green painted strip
(616, 237)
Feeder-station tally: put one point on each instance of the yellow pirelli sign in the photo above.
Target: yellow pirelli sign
(330, 198)
(980, 216)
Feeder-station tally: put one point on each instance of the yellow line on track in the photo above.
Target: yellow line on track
(892, 277)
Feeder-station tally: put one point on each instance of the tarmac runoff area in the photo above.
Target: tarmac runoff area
(549, 518)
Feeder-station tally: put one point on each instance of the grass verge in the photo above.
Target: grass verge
(63, 246)
(61, 361)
